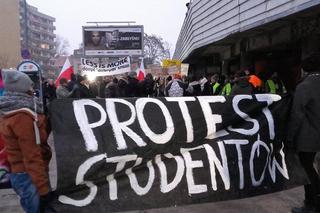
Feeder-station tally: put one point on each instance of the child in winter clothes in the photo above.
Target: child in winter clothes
(23, 127)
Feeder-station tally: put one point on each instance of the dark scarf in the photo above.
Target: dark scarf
(15, 100)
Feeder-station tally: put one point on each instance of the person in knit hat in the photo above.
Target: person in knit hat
(24, 129)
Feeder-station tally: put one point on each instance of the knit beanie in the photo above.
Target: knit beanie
(16, 81)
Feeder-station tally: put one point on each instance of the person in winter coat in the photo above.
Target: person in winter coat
(216, 85)
(132, 89)
(49, 94)
(84, 87)
(241, 85)
(228, 84)
(101, 86)
(160, 87)
(147, 86)
(304, 129)
(62, 90)
(122, 86)
(112, 89)
(176, 88)
(50, 90)
(194, 87)
(205, 86)
(72, 82)
(24, 129)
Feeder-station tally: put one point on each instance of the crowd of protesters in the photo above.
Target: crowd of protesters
(24, 128)
(242, 82)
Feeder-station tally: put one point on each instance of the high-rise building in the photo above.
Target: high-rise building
(23, 27)
(37, 35)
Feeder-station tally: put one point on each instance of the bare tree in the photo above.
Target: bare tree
(62, 45)
(155, 49)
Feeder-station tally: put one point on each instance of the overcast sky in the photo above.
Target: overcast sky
(160, 17)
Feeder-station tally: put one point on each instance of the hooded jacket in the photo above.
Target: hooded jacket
(242, 86)
(24, 154)
(304, 125)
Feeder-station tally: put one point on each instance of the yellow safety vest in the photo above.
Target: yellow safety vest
(226, 89)
(215, 87)
(272, 87)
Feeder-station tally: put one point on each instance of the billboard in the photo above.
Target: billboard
(113, 41)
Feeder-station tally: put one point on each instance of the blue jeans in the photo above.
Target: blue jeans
(27, 191)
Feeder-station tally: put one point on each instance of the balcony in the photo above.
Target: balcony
(42, 24)
(46, 29)
(40, 31)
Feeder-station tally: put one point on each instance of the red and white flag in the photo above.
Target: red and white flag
(66, 72)
(141, 73)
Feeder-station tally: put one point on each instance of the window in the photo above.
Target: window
(45, 46)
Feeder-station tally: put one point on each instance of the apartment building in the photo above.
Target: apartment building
(23, 27)
(37, 35)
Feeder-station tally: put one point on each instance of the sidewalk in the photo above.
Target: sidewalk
(280, 202)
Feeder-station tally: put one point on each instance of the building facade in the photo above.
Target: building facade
(37, 35)
(9, 34)
(228, 35)
(23, 27)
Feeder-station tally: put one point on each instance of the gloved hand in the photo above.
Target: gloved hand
(45, 203)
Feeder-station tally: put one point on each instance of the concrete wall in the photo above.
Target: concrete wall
(9, 33)
(209, 21)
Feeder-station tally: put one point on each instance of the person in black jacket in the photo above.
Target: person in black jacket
(112, 89)
(241, 84)
(194, 87)
(147, 86)
(160, 87)
(132, 89)
(49, 94)
(122, 86)
(304, 129)
(84, 91)
(72, 82)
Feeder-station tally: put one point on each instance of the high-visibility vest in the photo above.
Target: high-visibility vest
(226, 89)
(215, 87)
(272, 86)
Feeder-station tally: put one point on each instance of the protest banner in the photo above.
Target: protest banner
(99, 69)
(166, 63)
(140, 153)
(172, 66)
(184, 69)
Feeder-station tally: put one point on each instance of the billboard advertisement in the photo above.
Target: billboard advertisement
(113, 41)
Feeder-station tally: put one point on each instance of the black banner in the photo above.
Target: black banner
(131, 154)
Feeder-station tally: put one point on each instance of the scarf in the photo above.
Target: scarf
(16, 100)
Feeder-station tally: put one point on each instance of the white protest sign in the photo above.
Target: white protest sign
(99, 69)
